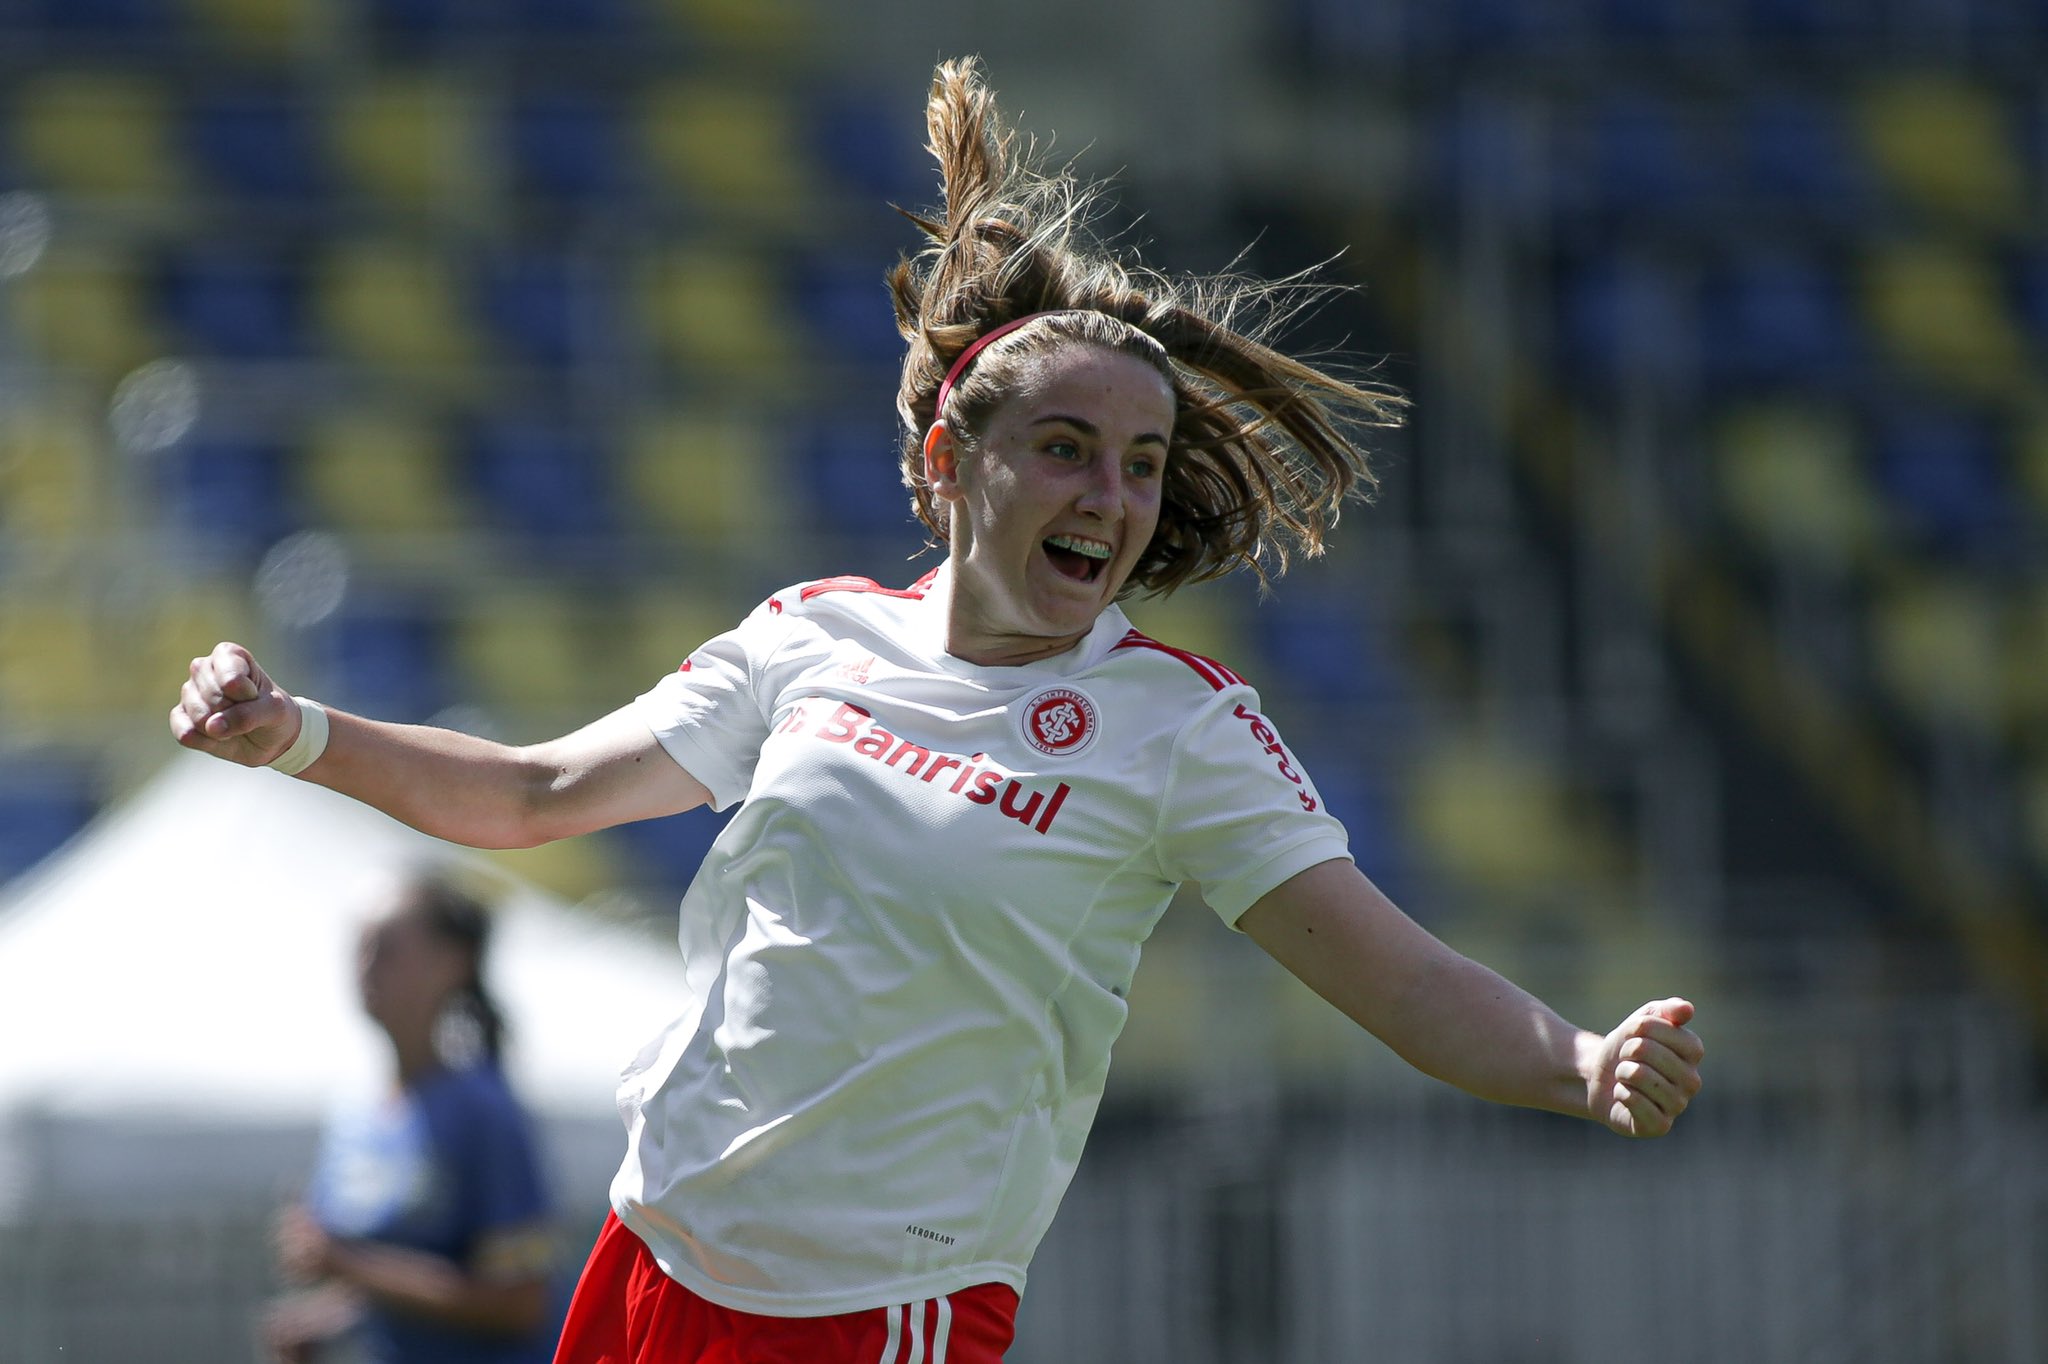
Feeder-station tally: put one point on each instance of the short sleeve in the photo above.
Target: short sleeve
(1240, 814)
(709, 714)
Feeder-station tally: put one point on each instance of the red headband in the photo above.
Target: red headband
(979, 344)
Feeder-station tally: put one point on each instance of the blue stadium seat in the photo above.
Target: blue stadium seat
(228, 490)
(588, 20)
(1486, 148)
(670, 850)
(258, 142)
(41, 806)
(539, 478)
(1664, 25)
(1625, 320)
(1798, 155)
(1639, 158)
(383, 655)
(413, 26)
(1828, 27)
(1319, 641)
(870, 145)
(1943, 476)
(546, 308)
(233, 301)
(845, 306)
(568, 146)
(96, 21)
(848, 465)
(1778, 318)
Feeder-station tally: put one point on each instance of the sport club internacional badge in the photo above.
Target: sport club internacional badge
(1059, 721)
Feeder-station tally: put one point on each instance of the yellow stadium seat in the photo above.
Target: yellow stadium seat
(53, 475)
(1201, 621)
(520, 650)
(98, 134)
(266, 30)
(414, 141)
(2031, 451)
(709, 476)
(1505, 823)
(1790, 477)
(1941, 311)
(1946, 146)
(727, 146)
(718, 311)
(392, 307)
(1938, 650)
(53, 659)
(85, 309)
(645, 636)
(381, 471)
(783, 30)
(163, 630)
(2024, 684)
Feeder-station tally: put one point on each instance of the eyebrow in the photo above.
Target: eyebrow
(1088, 428)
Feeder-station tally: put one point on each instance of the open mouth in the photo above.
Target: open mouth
(1080, 560)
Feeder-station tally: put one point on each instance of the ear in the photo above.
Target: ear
(942, 463)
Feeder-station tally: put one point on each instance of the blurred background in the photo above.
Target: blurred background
(471, 360)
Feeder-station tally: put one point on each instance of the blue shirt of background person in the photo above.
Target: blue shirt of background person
(447, 1167)
(424, 1236)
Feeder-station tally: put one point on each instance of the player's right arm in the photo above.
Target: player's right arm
(454, 786)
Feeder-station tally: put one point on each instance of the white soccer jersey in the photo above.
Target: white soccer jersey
(909, 950)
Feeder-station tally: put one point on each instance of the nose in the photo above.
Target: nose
(1103, 497)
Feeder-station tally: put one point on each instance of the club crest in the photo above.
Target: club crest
(1059, 721)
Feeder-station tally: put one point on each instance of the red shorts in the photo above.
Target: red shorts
(626, 1311)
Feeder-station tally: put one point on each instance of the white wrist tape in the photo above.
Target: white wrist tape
(310, 744)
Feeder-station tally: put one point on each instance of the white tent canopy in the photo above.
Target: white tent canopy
(186, 965)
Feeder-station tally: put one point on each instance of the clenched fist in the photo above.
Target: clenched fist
(230, 708)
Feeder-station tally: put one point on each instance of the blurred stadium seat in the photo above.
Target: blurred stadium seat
(394, 308)
(1941, 308)
(720, 311)
(380, 470)
(41, 805)
(540, 478)
(1799, 156)
(258, 143)
(571, 145)
(87, 309)
(53, 478)
(234, 300)
(412, 142)
(1778, 317)
(713, 476)
(98, 133)
(546, 307)
(228, 492)
(727, 147)
(521, 648)
(1944, 478)
(1938, 647)
(1793, 480)
(1947, 147)
(383, 654)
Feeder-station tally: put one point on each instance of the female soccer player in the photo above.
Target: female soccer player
(962, 807)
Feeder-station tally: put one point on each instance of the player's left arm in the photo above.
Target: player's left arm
(1461, 1022)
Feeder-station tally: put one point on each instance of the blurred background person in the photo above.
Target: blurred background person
(425, 1234)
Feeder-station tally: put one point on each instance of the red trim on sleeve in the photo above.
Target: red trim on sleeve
(1208, 669)
(853, 583)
